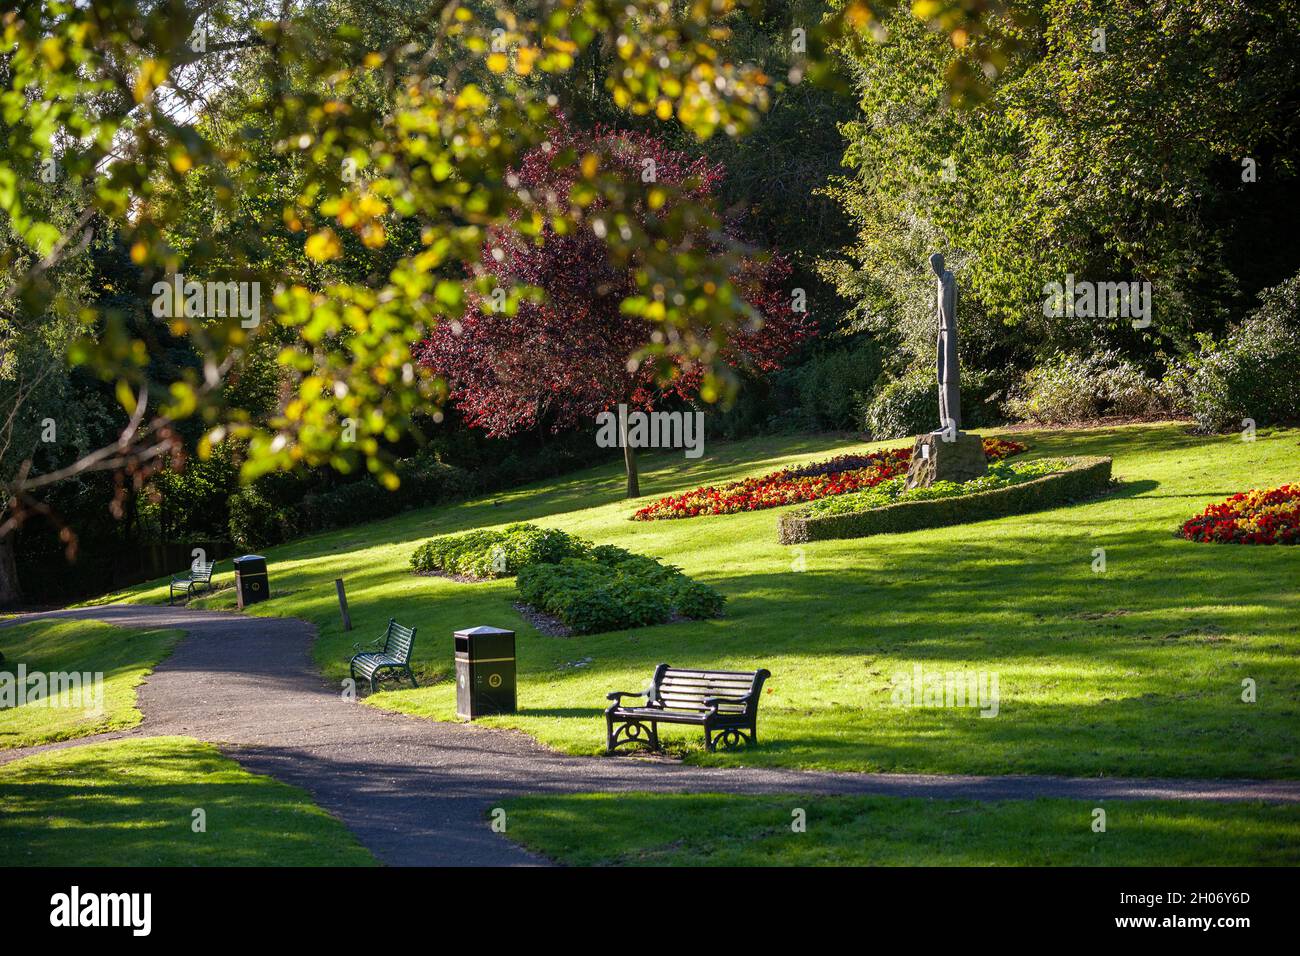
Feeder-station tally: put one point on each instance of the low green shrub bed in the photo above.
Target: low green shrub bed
(1000, 475)
(496, 554)
(1075, 479)
(587, 587)
(611, 589)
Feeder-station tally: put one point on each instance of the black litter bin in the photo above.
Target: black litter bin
(251, 584)
(485, 672)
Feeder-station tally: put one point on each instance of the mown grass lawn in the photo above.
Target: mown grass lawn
(124, 657)
(133, 802)
(1135, 671)
(723, 830)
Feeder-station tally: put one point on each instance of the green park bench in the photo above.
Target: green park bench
(200, 574)
(724, 703)
(395, 654)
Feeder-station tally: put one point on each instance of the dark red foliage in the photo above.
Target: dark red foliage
(565, 360)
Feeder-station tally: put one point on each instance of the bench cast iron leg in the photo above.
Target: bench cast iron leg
(632, 731)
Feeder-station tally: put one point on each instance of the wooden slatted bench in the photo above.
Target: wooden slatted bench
(395, 654)
(724, 703)
(200, 574)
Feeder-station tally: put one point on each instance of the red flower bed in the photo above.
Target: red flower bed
(791, 486)
(1250, 517)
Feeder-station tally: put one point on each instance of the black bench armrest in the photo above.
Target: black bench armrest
(616, 695)
(715, 701)
(377, 642)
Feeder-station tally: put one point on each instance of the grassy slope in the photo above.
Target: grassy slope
(131, 803)
(721, 830)
(123, 656)
(1134, 671)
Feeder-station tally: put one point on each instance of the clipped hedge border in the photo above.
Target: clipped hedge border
(1082, 478)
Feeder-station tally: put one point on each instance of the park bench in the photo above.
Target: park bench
(724, 703)
(200, 573)
(395, 654)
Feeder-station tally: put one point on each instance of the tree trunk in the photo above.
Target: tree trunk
(629, 462)
(11, 594)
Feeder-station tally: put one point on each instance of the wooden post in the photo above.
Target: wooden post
(343, 604)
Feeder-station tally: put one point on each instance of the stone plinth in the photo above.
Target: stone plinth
(934, 459)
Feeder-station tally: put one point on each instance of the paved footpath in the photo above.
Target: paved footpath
(416, 791)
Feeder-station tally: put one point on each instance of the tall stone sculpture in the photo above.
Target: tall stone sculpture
(947, 453)
(946, 349)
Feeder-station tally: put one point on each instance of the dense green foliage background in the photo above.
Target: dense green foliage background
(1164, 151)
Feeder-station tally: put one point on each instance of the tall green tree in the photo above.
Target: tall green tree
(1123, 140)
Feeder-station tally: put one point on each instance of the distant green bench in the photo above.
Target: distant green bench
(724, 703)
(395, 654)
(200, 574)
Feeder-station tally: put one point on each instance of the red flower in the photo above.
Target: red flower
(810, 482)
(1250, 517)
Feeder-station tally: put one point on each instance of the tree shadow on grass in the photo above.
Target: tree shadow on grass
(586, 713)
(711, 829)
(114, 807)
(1136, 440)
(1147, 734)
(907, 580)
